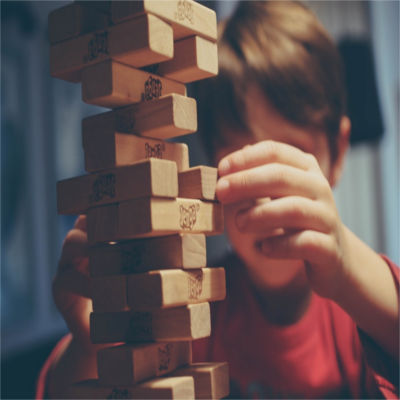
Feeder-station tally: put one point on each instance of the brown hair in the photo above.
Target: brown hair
(281, 48)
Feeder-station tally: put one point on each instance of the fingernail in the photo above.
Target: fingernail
(266, 247)
(223, 167)
(222, 186)
(241, 220)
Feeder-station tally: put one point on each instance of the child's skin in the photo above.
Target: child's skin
(290, 245)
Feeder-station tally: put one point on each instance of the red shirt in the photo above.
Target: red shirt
(323, 355)
(320, 356)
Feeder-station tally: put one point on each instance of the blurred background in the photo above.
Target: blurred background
(41, 143)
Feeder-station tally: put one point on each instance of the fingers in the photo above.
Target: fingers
(291, 213)
(80, 223)
(73, 269)
(314, 247)
(74, 281)
(266, 152)
(269, 180)
(75, 247)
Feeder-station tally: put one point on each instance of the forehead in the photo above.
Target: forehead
(265, 123)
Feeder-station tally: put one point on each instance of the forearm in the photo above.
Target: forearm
(72, 365)
(368, 294)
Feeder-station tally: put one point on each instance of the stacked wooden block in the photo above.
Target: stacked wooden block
(147, 211)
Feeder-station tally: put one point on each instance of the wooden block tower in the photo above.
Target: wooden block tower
(147, 211)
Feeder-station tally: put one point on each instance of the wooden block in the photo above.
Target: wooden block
(138, 42)
(160, 388)
(111, 84)
(198, 183)
(152, 177)
(148, 217)
(76, 19)
(174, 288)
(186, 251)
(129, 364)
(211, 380)
(172, 324)
(169, 116)
(107, 149)
(109, 293)
(157, 289)
(187, 17)
(195, 58)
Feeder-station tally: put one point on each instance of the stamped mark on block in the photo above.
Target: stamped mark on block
(96, 46)
(103, 186)
(152, 89)
(154, 151)
(119, 394)
(195, 284)
(188, 216)
(184, 10)
(164, 357)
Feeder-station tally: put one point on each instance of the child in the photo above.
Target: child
(311, 311)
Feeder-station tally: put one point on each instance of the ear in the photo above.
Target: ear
(342, 143)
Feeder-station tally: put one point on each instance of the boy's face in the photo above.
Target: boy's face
(267, 124)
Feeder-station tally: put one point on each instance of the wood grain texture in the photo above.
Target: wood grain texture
(106, 149)
(130, 364)
(198, 183)
(166, 117)
(157, 289)
(152, 177)
(171, 324)
(174, 288)
(148, 217)
(76, 19)
(211, 379)
(186, 251)
(194, 58)
(170, 388)
(111, 84)
(187, 17)
(138, 42)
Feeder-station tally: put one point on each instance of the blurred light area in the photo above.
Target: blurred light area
(385, 38)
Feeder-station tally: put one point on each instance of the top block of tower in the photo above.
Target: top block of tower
(137, 42)
(187, 17)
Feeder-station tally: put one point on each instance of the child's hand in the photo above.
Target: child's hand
(302, 207)
(71, 286)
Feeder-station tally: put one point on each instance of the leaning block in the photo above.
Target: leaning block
(186, 251)
(187, 17)
(169, 116)
(76, 19)
(198, 183)
(172, 324)
(107, 149)
(111, 84)
(195, 58)
(157, 289)
(211, 380)
(130, 364)
(148, 217)
(138, 42)
(161, 388)
(173, 288)
(152, 177)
